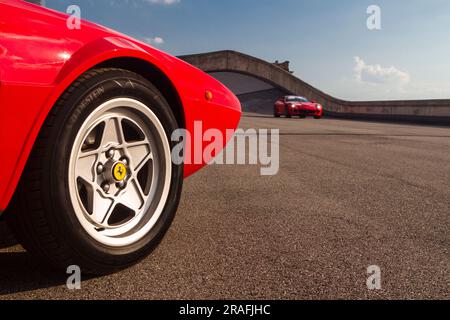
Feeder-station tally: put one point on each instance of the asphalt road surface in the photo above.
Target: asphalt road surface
(348, 195)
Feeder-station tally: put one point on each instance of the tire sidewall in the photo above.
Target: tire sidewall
(107, 86)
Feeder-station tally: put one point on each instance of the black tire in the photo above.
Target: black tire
(42, 216)
(302, 117)
(317, 118)
(286, 113)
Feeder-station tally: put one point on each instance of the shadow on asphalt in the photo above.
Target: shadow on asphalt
(7, 239)
(23, 272)
(20, 272)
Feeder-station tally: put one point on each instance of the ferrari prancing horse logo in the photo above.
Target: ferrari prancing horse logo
(120, 171)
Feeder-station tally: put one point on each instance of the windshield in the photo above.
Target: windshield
(296, 99)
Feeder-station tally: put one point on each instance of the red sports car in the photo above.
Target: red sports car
(297, 106)
(87, 176)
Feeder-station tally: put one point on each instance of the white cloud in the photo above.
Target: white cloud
(157, 41)
(376, 82)
(165, 2)
(378, 75)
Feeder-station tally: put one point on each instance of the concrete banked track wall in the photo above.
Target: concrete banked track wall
(436, 111)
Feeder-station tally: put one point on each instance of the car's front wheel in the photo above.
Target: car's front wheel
(287, 114)
(100, 189)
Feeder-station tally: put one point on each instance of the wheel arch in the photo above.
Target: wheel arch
(118, 52)
(109, 51)
(154, 75)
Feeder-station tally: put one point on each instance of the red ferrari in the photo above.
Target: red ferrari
(297, 106)
(87, 176)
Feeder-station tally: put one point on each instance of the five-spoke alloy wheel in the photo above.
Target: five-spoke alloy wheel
(100, 189)
(119, 169)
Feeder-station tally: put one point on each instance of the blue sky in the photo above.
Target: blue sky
(327, 41)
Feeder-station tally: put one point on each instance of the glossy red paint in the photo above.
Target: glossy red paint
(39, 59)
(297, 106)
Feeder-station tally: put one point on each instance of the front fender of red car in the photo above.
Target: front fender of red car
(37, 67)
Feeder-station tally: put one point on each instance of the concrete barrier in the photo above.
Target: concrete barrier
(435, 111)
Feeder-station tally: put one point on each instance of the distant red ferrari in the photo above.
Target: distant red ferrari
(297, 106)
(87, 118)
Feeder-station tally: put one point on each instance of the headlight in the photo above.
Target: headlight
(319, 107)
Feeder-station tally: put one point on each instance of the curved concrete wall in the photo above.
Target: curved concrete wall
(241, 83)
(410, 110)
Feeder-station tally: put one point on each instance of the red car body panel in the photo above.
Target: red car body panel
(39, 59)
(283, 107)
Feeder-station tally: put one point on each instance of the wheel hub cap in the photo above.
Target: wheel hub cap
(120, 172)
